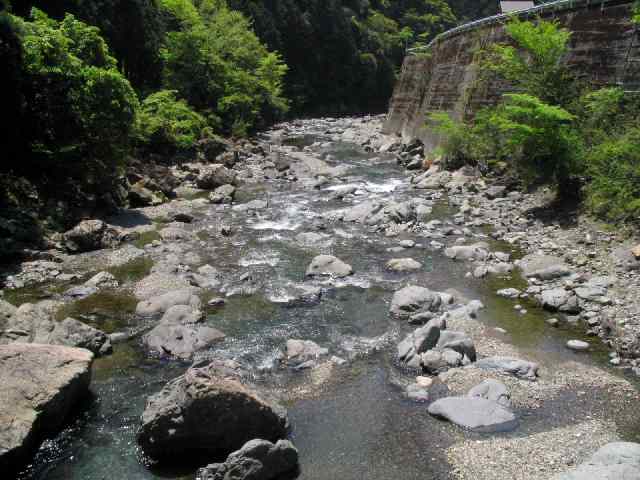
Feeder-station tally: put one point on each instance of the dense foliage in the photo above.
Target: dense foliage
(554, 130)
(343, 54)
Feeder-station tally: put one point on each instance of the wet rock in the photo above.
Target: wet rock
(418, 392)
(37, 403)
(403, 265)
(614, 461)
(412, 299)
(328, 265)
(256, 460)
(91, 235)
(162, 303)
(492, 390)
(36, 323)
(223, 194)
(511, 366)
(577, 345)
(179, 335)
(303, 353)
(214, 176)
(253, 205)
(474, 413)
(209, 409)
(478, 251)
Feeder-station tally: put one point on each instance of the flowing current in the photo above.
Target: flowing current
(349, 421)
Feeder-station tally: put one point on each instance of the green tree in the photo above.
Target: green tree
(215, 61)
(533, 63)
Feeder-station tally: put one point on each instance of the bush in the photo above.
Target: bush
(614, 167)
(538, 140)
(534, 62)
(166, 124)
(78, 109)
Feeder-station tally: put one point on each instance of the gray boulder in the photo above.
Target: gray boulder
(102, 280)
(478, 251)
(412, 299)
(544, 267)
(403, 265)
(223, 194)
(91, 235)
(559, 299)
(417, 342)
(459, 342)
(511, 366)
(39, 387)
(614, 461)
(162, 303)
(214, 176)
(474, 413)
(180, 335)
(362, 212)
(328, 265)
(256, 460)
(36, 323)
(209, 409)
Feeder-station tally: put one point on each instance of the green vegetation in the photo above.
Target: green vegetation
(554, 130)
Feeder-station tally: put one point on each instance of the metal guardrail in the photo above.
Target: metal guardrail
(503, 17)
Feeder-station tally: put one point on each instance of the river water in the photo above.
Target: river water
(349, 422)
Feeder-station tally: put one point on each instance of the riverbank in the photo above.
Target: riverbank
(298, 279)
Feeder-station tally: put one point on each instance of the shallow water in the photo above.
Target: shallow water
(356, 424)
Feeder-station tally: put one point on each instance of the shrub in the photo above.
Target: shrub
(78, 109)
(166, 124)
(614, 167)
(534, 62)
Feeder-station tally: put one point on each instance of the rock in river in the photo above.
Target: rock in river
(39, 386)
(162, 303)
(328, 265)
(614, 461)
(511, 366)
(403, 265)
(209, 409)
(577, 345)
(303, 353)
(412, 298)
(256, 460)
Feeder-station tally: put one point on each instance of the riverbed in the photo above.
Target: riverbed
(349, 420)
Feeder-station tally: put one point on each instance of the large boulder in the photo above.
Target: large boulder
(179, 334)
(214, 176)
(474, 413)
(363, 212)
(256, 460)
(614, 461)
(493, 390)
(418, 342)
(161, 303)
(91, 235)
(543, 267)
(559, 299)
(412, 299)
(328, 265)
(223, 194)
(36, 323)
(39, 386)
(209, 409)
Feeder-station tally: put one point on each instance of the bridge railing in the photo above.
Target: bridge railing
(504, 17)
